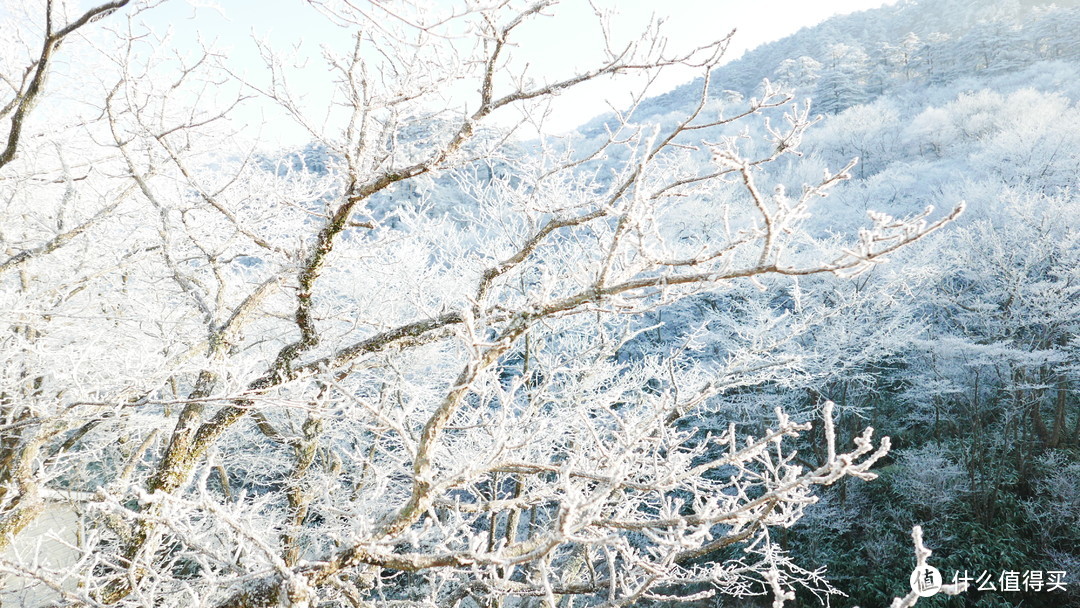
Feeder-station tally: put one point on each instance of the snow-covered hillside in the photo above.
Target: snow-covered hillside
(422, 361)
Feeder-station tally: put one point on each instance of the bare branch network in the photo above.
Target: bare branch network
(400, 379)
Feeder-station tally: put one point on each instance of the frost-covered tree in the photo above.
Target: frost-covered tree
(843, 80)
(392, 368)
(801, 72)
(906, 56)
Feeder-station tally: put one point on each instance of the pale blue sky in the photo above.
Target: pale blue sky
(689, 23)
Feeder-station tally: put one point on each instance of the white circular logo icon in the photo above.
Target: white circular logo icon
(925, 581)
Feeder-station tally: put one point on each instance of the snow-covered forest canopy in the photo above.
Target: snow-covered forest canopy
(728, 346)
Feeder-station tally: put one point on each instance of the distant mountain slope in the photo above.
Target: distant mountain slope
(965, 347)
(856, 58)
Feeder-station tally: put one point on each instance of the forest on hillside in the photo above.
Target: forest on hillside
(965, 350)
(728, 346)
